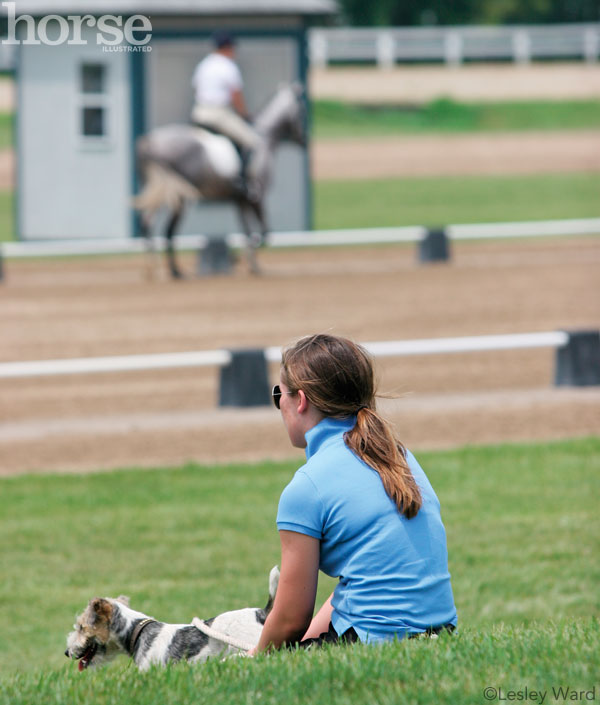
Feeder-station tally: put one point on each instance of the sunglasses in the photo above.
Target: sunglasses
(276, 394)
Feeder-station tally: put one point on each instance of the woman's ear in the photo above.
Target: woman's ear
(302, 402)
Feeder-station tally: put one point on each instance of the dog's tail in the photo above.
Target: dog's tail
(273, 583)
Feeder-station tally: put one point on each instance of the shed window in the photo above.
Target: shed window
(93, 101)
(92, 78)
(93, 122)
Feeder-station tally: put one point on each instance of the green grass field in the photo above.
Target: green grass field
(338, 119)
(7, 230)
(522, 526)
(460, 199)
(6, 197)
(434, 201)
(6, 130)
(555, 661)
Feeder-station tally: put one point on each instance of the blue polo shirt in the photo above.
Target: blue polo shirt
(393, 572)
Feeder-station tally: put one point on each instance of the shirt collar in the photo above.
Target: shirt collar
(326, 430)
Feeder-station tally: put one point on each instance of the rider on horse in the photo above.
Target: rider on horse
(220, 106)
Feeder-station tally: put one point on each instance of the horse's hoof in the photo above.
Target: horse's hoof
(256, 240)
(176, 274)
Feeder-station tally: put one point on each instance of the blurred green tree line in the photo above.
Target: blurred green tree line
(450, 12)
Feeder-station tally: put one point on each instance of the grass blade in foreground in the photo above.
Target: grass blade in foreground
(470, 667)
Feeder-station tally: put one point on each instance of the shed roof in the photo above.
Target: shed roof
(175, 7)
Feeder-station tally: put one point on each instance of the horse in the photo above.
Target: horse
(181, 163)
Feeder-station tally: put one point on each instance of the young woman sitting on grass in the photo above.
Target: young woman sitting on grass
(360, 509)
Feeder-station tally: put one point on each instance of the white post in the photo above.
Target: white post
(521, 47)
(318, 50)
(385, 51)
(591, 45)
(453, 46)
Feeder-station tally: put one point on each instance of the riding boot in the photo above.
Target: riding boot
(242, 183)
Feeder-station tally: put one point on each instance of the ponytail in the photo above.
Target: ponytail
(373, 441)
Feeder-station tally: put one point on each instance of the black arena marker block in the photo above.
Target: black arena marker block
(434, 246)
(578, 362)
(215, 257)
(244, 381)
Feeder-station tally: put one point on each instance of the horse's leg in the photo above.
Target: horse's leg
(259, 212)
(245, 210)
(170, 231)
(145, 222)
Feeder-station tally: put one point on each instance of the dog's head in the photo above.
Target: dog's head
(92, 642)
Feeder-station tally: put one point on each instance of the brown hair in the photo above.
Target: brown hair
(337, 377)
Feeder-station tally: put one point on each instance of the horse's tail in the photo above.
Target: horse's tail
(162, 185)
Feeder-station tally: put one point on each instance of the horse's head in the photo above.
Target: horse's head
(297, 122)
(284, 116)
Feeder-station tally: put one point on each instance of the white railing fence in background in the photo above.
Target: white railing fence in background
(306, 238)
(244, 378)
(386, 46)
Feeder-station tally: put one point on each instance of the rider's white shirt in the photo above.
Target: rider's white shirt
(214, 80)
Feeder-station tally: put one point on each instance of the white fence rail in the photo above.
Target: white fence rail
(310, 238)
(433, 346)
(220, 358)
(114, 363)
(453, 45)
(244, 376)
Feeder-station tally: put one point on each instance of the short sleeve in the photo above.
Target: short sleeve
(234, 77)
(300, 508)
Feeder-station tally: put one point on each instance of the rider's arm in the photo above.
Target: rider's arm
(238, 102)
(295, 598)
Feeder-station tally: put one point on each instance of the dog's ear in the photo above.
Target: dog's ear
(124, 600)
(101, 609)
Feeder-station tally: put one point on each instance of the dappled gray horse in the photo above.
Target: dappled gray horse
(181, 163)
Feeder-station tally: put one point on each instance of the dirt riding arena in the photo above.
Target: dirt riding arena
(106, 306)
(99, 306)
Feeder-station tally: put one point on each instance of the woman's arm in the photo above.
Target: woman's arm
(321, 620)
(295, 599)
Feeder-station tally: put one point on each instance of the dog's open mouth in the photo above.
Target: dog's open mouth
(87, 657)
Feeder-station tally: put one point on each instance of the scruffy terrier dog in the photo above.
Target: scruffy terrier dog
(110, 627)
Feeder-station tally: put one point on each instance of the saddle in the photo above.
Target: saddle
(241, 182)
